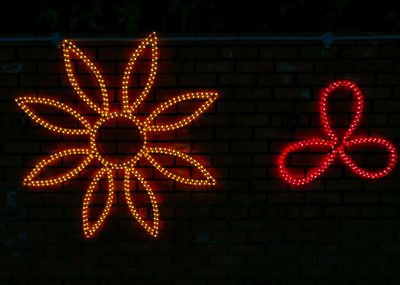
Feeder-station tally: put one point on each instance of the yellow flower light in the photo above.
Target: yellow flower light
(92, 152)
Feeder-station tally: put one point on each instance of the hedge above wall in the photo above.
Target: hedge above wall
(251, 227)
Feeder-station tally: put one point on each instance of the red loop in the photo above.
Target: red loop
(358, 107)
(338, 147)
(368, 141)
(326, 161)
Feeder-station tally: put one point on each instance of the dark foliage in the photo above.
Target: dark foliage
(199, 16)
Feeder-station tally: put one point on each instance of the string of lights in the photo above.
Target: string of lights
(93, 153)
(338, 146)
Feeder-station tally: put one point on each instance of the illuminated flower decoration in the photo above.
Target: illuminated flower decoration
(143, 126)
(338, 146)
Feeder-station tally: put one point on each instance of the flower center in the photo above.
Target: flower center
(117, 140)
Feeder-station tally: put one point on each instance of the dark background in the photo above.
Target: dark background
(195, 16)
(251, 228)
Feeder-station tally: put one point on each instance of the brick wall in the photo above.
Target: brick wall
(251, 228)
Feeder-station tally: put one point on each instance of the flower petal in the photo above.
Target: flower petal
(70, 48)
(151, 40)
(208, 96)
(30, 178)
(90, 230)
(208, 179)
(23, 103)
(315, 172)
(390, 148)
(152, 229)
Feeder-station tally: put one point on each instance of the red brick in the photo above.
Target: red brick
(231, 52)
(197, 52)
(213, 66)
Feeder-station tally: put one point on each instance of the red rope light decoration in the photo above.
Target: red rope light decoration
(338, 146)
(92, 153)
